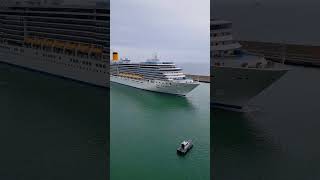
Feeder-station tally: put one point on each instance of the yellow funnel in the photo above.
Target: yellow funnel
(115, 56)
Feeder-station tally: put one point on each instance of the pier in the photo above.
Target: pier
(304, 55)
(200, 78)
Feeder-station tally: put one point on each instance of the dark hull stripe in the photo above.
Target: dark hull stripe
(225, 105)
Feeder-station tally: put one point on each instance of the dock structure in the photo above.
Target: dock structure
(200, 78)
(304, 55)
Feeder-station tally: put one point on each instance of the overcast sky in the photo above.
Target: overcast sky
(177, 30)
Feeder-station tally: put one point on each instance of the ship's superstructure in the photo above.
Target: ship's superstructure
(152, 75)
(57, 37)
(237, 77)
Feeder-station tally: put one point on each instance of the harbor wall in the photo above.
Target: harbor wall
(200, 78)
(304, 55)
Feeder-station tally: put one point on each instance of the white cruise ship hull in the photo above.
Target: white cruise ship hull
(56, 64)
(176, 88)
(233, 88)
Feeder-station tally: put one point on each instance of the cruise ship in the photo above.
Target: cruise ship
(58, 37)
(237, 77)
(151, 75)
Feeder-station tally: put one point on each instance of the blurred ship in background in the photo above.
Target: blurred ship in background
(236, 76)
(58, 37)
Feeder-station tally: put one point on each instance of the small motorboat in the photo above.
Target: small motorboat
(184, 147)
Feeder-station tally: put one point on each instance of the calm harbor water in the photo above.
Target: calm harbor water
(277, 141)
(146, 129)
(51, 128)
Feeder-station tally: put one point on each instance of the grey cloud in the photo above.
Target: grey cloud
(175, 29)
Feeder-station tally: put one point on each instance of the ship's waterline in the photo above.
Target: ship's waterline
(175, 88)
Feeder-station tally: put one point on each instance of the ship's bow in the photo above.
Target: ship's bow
(233, 88)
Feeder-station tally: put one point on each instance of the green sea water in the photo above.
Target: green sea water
(147, 128)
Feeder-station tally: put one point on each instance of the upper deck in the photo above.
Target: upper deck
(64, 24)
(89, 4)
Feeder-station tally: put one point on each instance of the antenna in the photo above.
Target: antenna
(284, 52)
(155, 55)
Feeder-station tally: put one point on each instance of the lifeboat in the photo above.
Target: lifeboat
(132, 76)
(96, 50)
(71, 46)
(84, 48)
(28, 40)
(59, 44)
(48, 42)
(37, 42)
